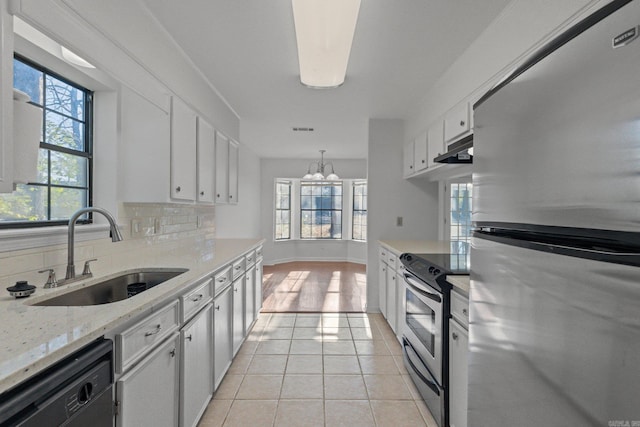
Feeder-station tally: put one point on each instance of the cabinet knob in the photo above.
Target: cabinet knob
(173, 352)
(231, 196)
(202, 193)
(217, 308)
(190, 337)
(178, 189)
(454, 336)
(411, 167)
(235, 289)
(218, 196)
(461, 122)
(464, 311)
(423, 161)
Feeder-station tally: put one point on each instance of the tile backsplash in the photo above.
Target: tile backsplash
(171, 226)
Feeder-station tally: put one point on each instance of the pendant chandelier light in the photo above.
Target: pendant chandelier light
(320, 166)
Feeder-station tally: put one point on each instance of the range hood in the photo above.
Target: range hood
(458, 152)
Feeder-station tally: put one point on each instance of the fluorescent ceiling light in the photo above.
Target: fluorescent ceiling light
(74, 59)
(324, 31)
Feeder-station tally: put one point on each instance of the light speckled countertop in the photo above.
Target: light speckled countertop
(33, 337)
(460, 283)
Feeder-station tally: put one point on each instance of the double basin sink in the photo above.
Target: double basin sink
(118, 288)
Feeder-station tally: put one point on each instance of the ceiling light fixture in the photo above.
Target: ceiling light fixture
(75, 59)
(324, 32)
(319, 175)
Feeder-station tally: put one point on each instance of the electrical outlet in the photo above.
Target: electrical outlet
(399, 221)
(136, 227)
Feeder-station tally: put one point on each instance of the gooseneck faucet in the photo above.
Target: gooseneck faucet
(116, 236)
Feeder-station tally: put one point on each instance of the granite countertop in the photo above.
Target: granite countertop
(460, 283)
(34, 337)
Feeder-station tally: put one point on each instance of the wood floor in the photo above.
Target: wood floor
(327, 287)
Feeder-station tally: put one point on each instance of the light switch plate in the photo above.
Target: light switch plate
(399, 221)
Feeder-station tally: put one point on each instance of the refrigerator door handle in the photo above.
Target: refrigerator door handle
(408, 349)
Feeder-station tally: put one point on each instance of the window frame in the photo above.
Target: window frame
(355, 184)
(276, 210)
(87, 153)
(448, 208)
(308, 183)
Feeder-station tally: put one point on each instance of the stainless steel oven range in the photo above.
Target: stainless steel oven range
(426, 325)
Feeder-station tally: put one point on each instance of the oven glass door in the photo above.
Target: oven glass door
(423, 320)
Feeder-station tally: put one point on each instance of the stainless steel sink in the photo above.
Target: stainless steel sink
(114, 289)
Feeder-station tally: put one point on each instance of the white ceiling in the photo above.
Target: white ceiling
(247, 49)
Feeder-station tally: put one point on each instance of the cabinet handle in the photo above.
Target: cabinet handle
(173, 352)
(423, 162)
(454, 336)
(197, 297)
(218, 196)
(148, 334)
(411, 167)
(178, 189)
(190, 338)
(217, 308)
(231, 196)
(222, 280)
(202, 193)
(461, 122)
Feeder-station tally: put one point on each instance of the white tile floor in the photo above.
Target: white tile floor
(324, 370)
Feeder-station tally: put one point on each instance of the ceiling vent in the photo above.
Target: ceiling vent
(299, 129)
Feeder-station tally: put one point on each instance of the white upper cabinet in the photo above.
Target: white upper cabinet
(436, 145)
(183, 151)
(233, 171)
(420, 152)
(144, 149)
(408, 159)
(206, 161)
(222, 168)
(457, 122)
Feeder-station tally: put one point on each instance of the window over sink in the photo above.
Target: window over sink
(65, 160)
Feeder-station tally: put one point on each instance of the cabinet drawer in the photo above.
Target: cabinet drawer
(457, 123)
(238, 268)
(251, 258)
(384, 254)
(222, 279)
(134, 342)
(392, 260)
(258, 253)
(460, 308)
(193, 301)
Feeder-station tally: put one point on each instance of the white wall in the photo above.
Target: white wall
(277, 252)
(517, 32)
(390, 196)
(243, 220)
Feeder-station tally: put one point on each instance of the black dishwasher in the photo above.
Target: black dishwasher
(77, 391)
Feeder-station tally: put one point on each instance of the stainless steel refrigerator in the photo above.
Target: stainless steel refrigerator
(555, 259)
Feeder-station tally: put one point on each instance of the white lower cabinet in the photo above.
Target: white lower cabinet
(392, 309)
(222, 312)
(196, 379)
(147, 393)
(458, 349)
(249, 299)
(238, 313)
(258, 286)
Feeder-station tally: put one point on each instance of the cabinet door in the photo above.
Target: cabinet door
(148, 393)
(420, 152)
(183, 151)
(222, 168)
(458, 347)
(238, 313)
(206, 161)
(222, 307)
(258, 283)
(196, 381)
(249, 299)
(233, 171)
(382, 279)
(408, 159)
(456, 122)
(391, 298)
(144, 149)
(435, 140)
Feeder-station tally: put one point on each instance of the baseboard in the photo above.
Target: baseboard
(310, 259)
